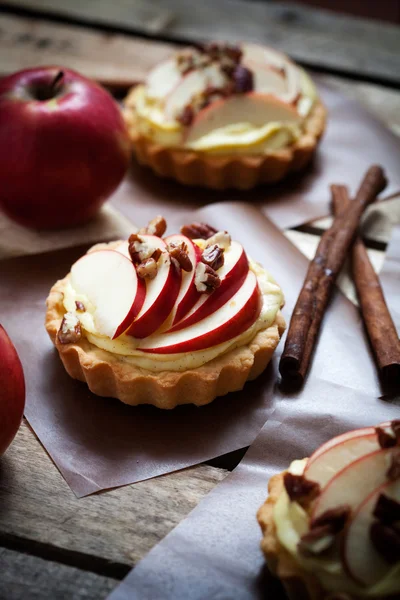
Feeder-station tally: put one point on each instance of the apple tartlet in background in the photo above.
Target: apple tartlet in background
(166, 320)
(225, 116)
(331, 523)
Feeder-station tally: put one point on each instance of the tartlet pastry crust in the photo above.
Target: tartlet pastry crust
(298, 584)
(111, 375)
(223, 171)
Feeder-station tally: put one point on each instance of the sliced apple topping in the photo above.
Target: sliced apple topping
(256, 109)
(232, 274)
(371, 545)
(339, 452)
(161, 292)
(229, 321)
(109, 280)
(188, 294)
(174, 295)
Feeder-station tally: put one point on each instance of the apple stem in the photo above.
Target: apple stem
(56, 83)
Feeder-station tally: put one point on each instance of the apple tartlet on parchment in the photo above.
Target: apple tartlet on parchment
(331, 523)
(225, 116)
(166, 320)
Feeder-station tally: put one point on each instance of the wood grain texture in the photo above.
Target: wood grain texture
(314, 36)
(115, 59)
(115, 528)
(25, 577)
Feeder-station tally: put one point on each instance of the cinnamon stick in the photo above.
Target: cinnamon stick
(321, 276)
(378, 322)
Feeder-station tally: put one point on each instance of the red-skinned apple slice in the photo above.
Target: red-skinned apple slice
(188, 294)
(323, 465)
(259, 109)
(354, 482)
(232, 274)
(161, 292)
(229, 321)
(193, 83)
(109, 281)
(361, 560)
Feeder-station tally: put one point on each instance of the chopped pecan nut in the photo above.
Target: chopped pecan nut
(317, 540)
(387, 510)
(336, 518)
(80, 307)
(198, 231)
(147, 269)
(385, 439)
(394, 470)
(206, 279)
(70, 329)
(213, 256)
(386, 541)
(176, 264)
(134, 242)
(134, 237)
(179, 252)
(156, 226)
(140, 250)
(156, 254)
(300, 489)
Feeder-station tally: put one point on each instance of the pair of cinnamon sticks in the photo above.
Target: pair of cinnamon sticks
(319, 283)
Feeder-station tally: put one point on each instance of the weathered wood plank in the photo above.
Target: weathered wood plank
(25, 577)
(111, 58)
(314, 36)
(116, 528)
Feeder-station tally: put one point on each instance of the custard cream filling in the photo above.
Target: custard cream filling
(125, 346)
(152, 122)
(291, 522)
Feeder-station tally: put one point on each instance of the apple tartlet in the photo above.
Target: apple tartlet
(225, 116)
(166, 320)
(331, 523)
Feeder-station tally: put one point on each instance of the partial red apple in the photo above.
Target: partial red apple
(64, 147)
(12, 391)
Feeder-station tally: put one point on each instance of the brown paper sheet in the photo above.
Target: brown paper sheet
(353, 141)
(99, 443)
(214, 553)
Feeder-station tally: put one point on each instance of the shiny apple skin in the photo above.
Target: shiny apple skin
(12, 391)
(60, 158)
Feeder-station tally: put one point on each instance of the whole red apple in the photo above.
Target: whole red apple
(12, 391)
(64, 147)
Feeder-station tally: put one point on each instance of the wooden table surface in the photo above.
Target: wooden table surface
(53, 545)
